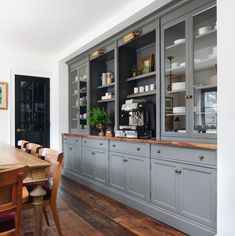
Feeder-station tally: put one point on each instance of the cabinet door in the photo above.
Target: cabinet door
(117, 171)
(88, 160)
(175, 77)
(137, 169)
(68, 156)
(164, 184)
(197, 194)
(76, 159)
(101, 166)
(204, 73)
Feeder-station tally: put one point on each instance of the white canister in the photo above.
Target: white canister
(141, 89)
(104, 78)
(136, 89)
(152, 87)
(147, 88)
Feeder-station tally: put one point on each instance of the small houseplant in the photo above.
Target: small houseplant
(99, 118)
(134, 70)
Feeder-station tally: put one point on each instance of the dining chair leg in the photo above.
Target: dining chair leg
(45, 216)
(56, 218)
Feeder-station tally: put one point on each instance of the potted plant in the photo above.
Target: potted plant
(99, 118)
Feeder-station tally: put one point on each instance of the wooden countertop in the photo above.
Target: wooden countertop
(151, 141)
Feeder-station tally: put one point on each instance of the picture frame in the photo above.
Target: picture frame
(3, 95)
(168, 103)
(146, 64)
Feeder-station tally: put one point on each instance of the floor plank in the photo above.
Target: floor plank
(85, 212)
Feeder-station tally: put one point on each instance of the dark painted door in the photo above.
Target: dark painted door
(32, 109)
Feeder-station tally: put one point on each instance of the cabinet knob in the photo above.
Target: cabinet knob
(101, 144)
(76, 140)
(179, 171)
(85, 141)
(70, 149)
(158, 151)
(114, 145)
(201, 157)
(138, 149)
(176, 171)
(92, 153)
(188, 96)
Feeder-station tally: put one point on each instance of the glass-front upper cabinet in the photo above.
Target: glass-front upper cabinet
(205, 72)
(174, 76)
(78, 99)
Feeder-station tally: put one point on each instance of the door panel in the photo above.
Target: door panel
(68, 152)
(88, 160)
(32, 111)
(77, 159)
(164, 185)
(117, 171)
(101, 166)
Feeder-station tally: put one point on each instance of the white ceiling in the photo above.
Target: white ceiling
(49, 26)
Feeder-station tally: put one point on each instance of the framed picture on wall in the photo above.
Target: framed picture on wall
(146, 64)
(3, 95)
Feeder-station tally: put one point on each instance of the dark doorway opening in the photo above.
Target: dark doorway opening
(32, 109)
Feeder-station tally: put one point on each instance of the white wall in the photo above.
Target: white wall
(25, 63)
(226, 119)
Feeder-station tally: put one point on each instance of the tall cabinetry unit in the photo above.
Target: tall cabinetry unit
(189, 73)
(79, 96)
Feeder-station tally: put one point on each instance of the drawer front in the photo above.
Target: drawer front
(95, 143)
(203, 157)
(141, 149)
(72, 140)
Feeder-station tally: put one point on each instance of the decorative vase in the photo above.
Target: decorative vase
(101, 128)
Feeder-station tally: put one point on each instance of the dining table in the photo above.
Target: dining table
(12, 157)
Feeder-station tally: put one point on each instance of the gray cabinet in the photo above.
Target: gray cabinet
(187, 190)
(68, 154)
(130, 174)
(95, 164)
(79, 96)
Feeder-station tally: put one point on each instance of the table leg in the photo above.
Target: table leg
(37, 194)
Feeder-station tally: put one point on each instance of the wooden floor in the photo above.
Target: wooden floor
(85, 212)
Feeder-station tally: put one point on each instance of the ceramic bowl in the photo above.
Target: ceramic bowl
(204, 30)
(177, 41)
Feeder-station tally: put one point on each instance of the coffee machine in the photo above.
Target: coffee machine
(138, 120)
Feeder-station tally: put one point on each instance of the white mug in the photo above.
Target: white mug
(147, 88)
(136, 90)
(141, 89)
(152, 87)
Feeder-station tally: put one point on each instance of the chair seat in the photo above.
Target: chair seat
(7, 221)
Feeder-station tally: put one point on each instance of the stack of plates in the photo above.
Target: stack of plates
(178, 110)
(178, 86)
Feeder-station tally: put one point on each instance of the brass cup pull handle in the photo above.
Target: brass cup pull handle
(20, 130)
(188, 96)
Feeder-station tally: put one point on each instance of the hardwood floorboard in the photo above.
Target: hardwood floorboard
(85, 212)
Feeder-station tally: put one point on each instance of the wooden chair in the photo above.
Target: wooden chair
(33, 148)
(22, 144)
(56, 159)
(11, 200)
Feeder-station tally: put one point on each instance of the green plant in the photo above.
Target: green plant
(134, 69)
(98, 117)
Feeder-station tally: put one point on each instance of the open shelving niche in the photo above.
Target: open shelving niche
(131, 54)
(99, 65)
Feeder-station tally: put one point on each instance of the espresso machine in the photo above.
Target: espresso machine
(138, 120)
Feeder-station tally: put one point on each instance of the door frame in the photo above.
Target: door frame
(11, 95)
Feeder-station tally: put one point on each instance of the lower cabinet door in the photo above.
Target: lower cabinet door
(101, 166)
(88, 160)
(137, 169)
(117, 171)
(197, 194)
(68, 153)
(164, 184)
(76, 159)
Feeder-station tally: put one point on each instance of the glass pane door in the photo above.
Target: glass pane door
(205, 72)
(82, 71)
(175, 79)
(74, 100)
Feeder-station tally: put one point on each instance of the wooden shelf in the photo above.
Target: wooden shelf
(141, 76)
(135, 95)
(106, 100)
(176, 114)
(106, 86)
(204, 86)
(203, 35)
(175, 45)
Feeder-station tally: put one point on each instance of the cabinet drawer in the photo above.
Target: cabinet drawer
(141, 149)
(72, 140)
(203, 157)
(95, 143)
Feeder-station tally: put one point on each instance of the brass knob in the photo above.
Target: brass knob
(158, 151)
(101, 144)
(114, 145)
(176, 171)
(138, 149)
(179, 171)
(188, 96)
(201, 157)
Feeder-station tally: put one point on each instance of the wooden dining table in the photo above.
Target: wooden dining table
(11, 157)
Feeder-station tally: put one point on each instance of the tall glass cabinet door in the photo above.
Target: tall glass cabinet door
(74, 100)
(174, 75)
(82, 109)
(205, 73)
